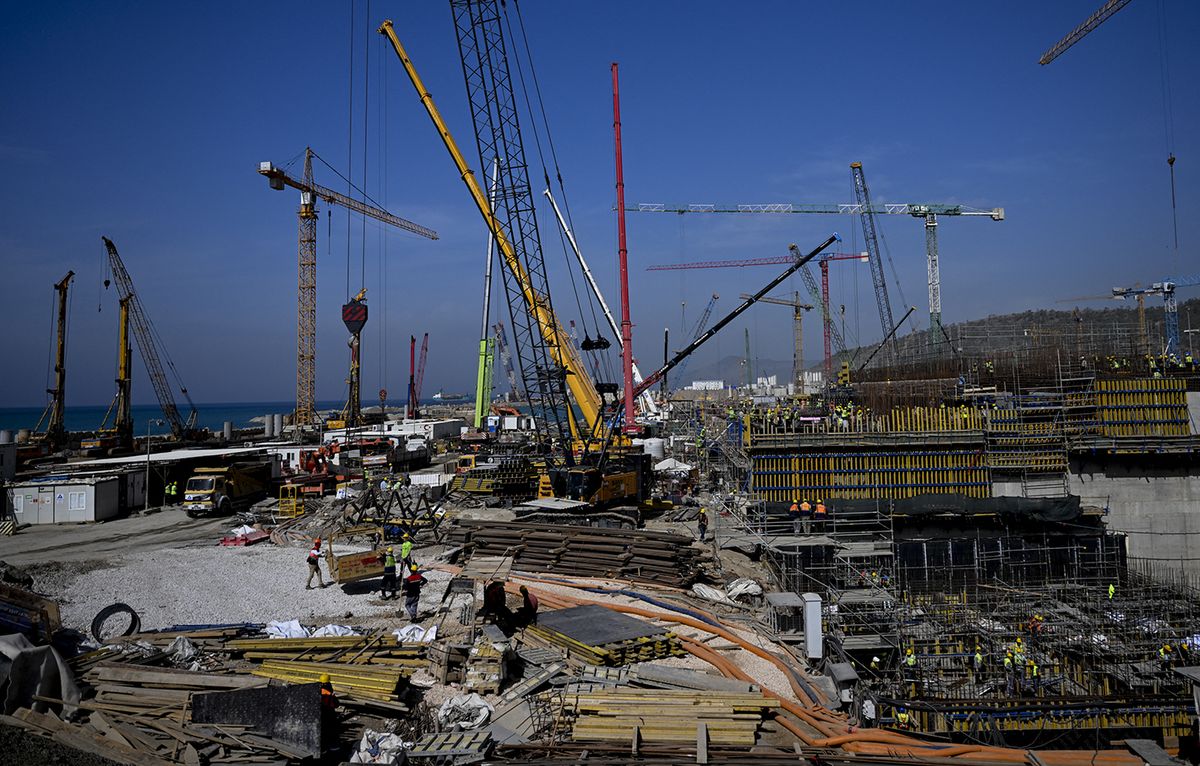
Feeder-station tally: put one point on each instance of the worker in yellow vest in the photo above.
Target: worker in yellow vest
(903, 719)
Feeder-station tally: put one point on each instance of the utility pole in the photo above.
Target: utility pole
(146, 489)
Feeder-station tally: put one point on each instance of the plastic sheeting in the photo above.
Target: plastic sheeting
(27, 671)
(334, 630)
(415, 634)
(286, 629)
(467, 711)
(378, 747)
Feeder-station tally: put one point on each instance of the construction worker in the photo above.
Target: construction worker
(875, 663)
(1031, 673)
(527, 613)
(1009, 673)
(329, 703)
(868, 712)
(794, 516)
(875, 579)
(412, 591)
(702, 524)
(910, 659)
(172, 493)
(903, 719)
(387, 588)
(314, 565)
(805, 514)
(820, 512)
(1165, 656)
(406, 547)
(978, 659)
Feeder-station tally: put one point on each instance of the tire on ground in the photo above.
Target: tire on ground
(135, 622)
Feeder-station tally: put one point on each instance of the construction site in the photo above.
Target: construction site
(971, 542)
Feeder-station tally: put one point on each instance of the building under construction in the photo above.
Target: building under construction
(995, 554)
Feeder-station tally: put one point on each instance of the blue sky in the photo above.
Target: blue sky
(145, 122)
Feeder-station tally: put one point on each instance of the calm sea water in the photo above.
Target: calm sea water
(208, 415)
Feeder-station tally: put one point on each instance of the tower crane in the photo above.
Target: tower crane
(798, 310)
(1165, 288)
(306, 327)
(152, 354)
(1078, 33)
(928, 212)
(56, 430)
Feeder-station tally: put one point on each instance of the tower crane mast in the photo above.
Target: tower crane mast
(143, 333)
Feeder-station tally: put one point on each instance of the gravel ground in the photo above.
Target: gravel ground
(212, 584)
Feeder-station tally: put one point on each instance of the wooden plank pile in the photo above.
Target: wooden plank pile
(142, 715)
(612, 715)
(381, 649)
(594, 635)
(658, 557)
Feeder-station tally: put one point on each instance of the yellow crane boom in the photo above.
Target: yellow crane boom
(580, 383)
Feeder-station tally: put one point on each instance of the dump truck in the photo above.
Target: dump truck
(227, 489)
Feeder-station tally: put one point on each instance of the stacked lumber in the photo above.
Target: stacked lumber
(350, 650)
(658, 557)
(594, 635)
(612, 715)
(364, 682)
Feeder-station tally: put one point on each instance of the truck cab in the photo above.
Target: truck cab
(206, 492)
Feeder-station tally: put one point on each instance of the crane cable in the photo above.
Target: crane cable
(1168, 113)
(350, 144)
(542, 159)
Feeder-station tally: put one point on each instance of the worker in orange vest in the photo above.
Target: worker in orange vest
(794, 515)
(820, 513)
(806, 514)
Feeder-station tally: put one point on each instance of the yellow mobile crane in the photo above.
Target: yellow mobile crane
(548, 358)
(600, 478)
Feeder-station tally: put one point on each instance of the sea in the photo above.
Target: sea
(212, 415)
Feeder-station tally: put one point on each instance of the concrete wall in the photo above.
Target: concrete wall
(1155, 500)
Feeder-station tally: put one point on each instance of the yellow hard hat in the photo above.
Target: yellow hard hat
(389, 550)
(324, 678)
(405, 536)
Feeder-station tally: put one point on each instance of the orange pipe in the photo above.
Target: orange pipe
(863, 741)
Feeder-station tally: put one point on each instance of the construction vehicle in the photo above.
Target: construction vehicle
(227, 489)
(56, 430)
(585, 458)
(152, 354)
(119, 435)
